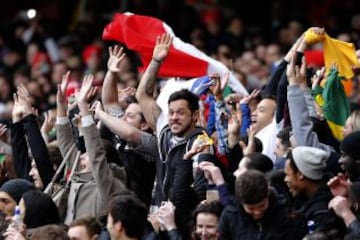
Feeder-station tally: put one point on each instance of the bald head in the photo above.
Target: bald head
(263, 115)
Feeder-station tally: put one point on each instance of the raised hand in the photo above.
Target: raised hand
(96, 107)
(317, 78)
(61, 100)
(234, 120)
(86, 89)
(212, 173)
(318, 30)
(293, 71)
(162, 47)
(49, 122)
(250, 147)
(247, 99)
(218, 85)
(17, 111)
(85, 94)
(339, 186)
(25, 100)
(197, 147)
(61, 88)
(116, 55)
(167, 215)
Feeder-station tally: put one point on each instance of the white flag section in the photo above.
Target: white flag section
(172, 85)
(213, 67)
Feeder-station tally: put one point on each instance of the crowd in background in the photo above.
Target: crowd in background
(77, 114)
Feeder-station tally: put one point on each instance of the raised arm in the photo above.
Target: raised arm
(109, 94)
(300, 120)
(144, 93)
(272, 86)
(35, 140)
(63, 127)
(105, 181)
(117, 125)
(21, 161)
(221, 112)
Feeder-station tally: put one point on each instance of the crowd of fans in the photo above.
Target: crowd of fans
(86, 152)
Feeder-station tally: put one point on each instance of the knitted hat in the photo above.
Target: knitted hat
(310, 161)
(351, 145)
(16, 188)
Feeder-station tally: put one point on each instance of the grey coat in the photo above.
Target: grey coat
(89, 192)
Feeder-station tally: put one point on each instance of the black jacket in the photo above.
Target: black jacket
(276, 224)
(316, 209)
(140, 174)
(28, 127)
(169, 158)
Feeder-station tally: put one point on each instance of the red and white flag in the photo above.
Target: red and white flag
(184, 60)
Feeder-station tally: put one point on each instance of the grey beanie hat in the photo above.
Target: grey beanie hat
(16, 188)
(310, 161)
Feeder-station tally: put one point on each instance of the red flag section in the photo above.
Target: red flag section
(184, 60)
(139, 34)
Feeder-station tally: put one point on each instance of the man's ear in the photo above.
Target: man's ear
(118, 226)
(144, 126)
(196, 114)
(95, 237)
(300, 176)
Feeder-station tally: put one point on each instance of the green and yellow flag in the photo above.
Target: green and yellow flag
(332, 95)
(336, 52)
(334, 103)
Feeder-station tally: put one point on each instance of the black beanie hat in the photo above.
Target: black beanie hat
(16, 188)
(351, 145)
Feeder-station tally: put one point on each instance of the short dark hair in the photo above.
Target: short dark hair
(132, 99)
(184, 94)
(260, 162)
(284, 136)
(290, 158)
(131, 212)
(251, 187)
(50, 232)
(213, 207)
(91, 225)
(258, 143)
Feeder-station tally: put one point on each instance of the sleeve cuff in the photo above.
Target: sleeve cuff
(62, 120)
(87, 121)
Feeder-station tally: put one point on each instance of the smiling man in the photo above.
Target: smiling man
(258, 213)
(305, 171)
(177, 129)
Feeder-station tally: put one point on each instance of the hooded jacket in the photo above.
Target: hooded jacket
(277, 224)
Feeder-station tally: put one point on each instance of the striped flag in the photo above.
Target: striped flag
(184, 60)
